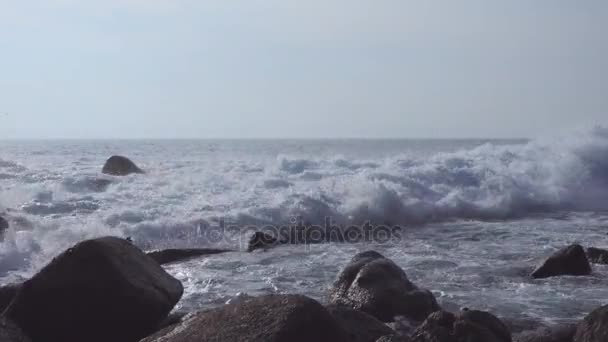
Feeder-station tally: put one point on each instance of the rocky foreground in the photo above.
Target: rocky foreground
(107, 289)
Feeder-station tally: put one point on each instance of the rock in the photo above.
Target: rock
(167, 256)
(120, 166)
(10, 332)
(3, 227)
(104, 289)
(261, 240)
(597, 255)
(571, 260)
(594, 327)
(377, 286)
(360, 326)
(562, 333)
(393, 338)
(272, 318)
(7, 294)
(468, 326)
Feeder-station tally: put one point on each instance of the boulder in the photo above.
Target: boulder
(359, 326)
(594, 327)
(167, 256)
(570, 260)
(561, 333)
(597, 255)
(272, 318)
(120, 166)
(377, 286)
(468, 326)
(103, 289)
(7, 294)
(10, 332)
(260, 240)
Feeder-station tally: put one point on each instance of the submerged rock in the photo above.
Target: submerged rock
(597, 255)
(120, 166)
(359, 326)
(10, 332)
(167, 256)
(562, 333)
(3, 227)
(261, 240)
(100, 290)
(594, 327)
(376, 285)
(273, 318)
(570, 260)
(468, 326)
(7, 294)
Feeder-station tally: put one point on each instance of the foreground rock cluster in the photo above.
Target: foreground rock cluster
(107, 289)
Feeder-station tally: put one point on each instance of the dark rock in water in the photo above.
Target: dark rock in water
(376, 285)
(104, 289)
(597, 255)
(562, 333)
(7, 294)
(167, 256)
(469, 326)
(393, 338)
(273, 318)
(594, 327)
(261, 240)
(359, 326)
(120, 166)
(10, 332)
(3, 227)
(570, 260)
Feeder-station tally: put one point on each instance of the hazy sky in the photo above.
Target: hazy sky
(314, 68)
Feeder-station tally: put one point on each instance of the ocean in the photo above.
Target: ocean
(475, 216)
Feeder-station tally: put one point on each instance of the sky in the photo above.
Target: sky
(73, 69)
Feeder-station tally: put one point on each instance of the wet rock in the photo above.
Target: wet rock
(359, 326)
(167, 256)
(377, 286)
(7, 294)
(10, 332)
(468, 326)
(594, 327)
(570, 260)
(273, 318)
(561, 333)
(393, 338)
(104, 289)
(261, 240)
(3, 227)
(120, 166)
(597, 255)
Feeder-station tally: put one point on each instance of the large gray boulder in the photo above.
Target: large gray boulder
(273, 318)
(594, 327)
(359, 326)
(377, 286)
(104, 289)
(571, 260)
(120, 166)
(468, 326)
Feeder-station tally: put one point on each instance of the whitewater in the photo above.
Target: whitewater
(476, 216)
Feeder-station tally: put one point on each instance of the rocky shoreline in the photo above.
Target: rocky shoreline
(107, 289)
